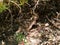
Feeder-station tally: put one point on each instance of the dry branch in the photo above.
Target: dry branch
(53, 23)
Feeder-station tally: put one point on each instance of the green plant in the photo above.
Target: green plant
(22, 2)
(20, 37)
(2, 7)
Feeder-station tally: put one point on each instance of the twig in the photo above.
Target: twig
(57, 19)
(35, 15)
(35, 7)
(57, 14)
(11, 19)
(17, 6)
(52, 23)
(33, 22)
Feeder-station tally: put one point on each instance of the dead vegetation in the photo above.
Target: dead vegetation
(38, 20)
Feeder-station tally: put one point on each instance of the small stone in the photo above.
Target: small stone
(46, 24)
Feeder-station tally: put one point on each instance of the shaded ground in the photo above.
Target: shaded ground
(38, 21)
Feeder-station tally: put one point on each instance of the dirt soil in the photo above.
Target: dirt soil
(39, 21)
